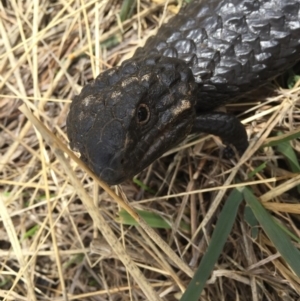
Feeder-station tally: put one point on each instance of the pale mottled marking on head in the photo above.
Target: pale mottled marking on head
(115, 94)
(127, 140)
(184, 105)
(111, 71)
(146, 77)
(81, 115)
(86, 101)
(127, 81)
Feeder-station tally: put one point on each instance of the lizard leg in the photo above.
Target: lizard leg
(226, 126)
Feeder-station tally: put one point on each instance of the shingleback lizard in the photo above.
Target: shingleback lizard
(204, 57)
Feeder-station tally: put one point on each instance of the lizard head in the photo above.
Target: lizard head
(130, 115)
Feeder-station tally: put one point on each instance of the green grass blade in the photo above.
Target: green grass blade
(275, 233)
(127, 9)
(219, 237)
(288, 152)
(251, 220)
(112, 41)
(154, 220)
(143, 186)
(257, 170)
(31, 232)
(274, 141)
(286, 149)
(292, 79)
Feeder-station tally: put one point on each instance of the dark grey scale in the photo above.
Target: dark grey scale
(161, 45)
(187, 23)
(228, 35)
(191, 59)
(198, 35)
(210, 54)
(252, 40)
(225, 48)
(129, 68)
(272, 47)
(151, 60)
(281, 36)
(184, 46)
(232, 64)
(244, 53)
(212, 23)
(113, 77)
(276, 20)
(170, 34)
(168, 78)
(289, 7)
(260, 27)
(203, 69)
(223, 75)
(237, 23)
(247, 7)
(173, 36)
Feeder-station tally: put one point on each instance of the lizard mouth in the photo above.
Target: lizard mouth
(114, 173)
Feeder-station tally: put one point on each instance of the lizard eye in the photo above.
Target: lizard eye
(143, 114)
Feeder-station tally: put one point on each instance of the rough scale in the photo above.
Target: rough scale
(206, 56)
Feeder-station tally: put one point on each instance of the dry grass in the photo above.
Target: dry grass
(59, 238)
